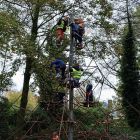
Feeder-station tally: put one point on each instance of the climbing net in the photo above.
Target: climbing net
(95, 70)
(60, 118)
(100, 70)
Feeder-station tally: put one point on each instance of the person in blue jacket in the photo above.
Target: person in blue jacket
(89, 93)
(59, 66)
(77, 31)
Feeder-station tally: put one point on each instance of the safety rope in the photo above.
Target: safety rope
(61, 123)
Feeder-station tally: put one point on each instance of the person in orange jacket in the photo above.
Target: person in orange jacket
(60, 28)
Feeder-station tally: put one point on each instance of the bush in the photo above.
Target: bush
(4, 115)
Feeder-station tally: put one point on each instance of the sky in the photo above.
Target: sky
(18, 81)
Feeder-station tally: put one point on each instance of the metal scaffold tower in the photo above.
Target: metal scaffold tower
(71, 91)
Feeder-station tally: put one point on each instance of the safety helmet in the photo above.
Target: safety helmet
(81, 25)
(81, 20)
(90, 86)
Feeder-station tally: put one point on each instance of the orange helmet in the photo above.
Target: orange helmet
(81, 20)
(81, 25)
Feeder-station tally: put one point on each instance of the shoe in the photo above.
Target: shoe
(58, 75)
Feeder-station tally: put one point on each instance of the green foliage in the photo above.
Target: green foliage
(130, 80)
(5, 80)
(42, 55)
(135, 135)
(15, 97)
(4, 114)
(43, 121)
(136, 27)
(8, 23)
(89, 117)
(9, 30)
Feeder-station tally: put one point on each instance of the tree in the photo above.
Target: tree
(9, 30)
(136, 27)
(130, 85)
(35, 20)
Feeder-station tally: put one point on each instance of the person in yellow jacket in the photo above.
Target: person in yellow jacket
(76, 73)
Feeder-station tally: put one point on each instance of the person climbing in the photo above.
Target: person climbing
(60, 28)
(89, 93)
(78, 30)
(55, 136)
(59, 66)
(76, 73)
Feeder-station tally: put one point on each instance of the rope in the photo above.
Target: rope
(61, 122)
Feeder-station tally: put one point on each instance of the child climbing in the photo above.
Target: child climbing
(77, 31)
(60, 28)
(89, 93)
(60, 66)
(76, 73)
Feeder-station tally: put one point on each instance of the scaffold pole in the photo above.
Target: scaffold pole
(71, 91)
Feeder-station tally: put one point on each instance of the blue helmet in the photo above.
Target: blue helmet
(89, 87)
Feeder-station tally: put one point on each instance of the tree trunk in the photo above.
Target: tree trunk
(29, 62)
